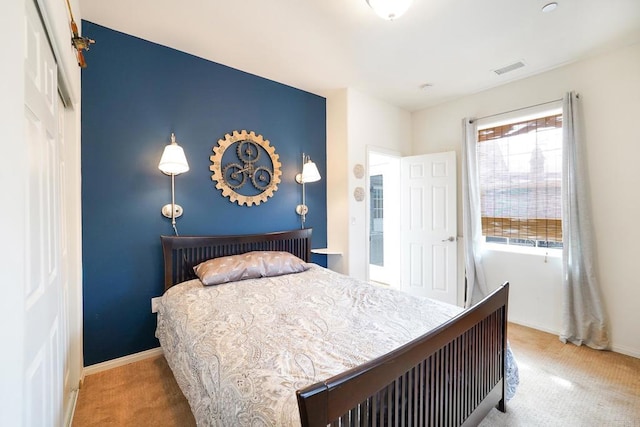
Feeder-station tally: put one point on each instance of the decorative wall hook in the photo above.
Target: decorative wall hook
(79, 43)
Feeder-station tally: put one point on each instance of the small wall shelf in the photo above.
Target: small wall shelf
(325, 251)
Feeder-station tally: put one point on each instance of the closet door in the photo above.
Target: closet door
(45, 322)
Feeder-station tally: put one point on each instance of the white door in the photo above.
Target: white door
(45, 340)
(429, 226)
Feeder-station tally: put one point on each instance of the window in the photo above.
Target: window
(376, 229)
(520, 168)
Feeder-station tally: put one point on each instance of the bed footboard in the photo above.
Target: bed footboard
(453, 375)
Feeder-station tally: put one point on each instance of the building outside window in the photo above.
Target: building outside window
(520, 168)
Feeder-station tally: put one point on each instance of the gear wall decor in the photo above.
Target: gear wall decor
(241, 158)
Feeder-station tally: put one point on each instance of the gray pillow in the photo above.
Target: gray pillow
(250, 265)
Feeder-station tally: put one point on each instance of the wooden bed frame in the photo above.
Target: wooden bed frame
(451, 376)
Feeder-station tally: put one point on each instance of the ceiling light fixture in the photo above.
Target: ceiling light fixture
(549, 7)
(389, 9)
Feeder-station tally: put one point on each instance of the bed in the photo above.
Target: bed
(291, 350)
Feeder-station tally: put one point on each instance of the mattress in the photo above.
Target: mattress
(240, 350)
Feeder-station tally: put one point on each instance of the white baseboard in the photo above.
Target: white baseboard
(72, 408)
(627, 351)
(121, 361)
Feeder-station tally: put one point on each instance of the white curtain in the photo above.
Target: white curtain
(583, 313)
(476, 286)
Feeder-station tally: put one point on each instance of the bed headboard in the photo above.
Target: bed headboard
(182, 253)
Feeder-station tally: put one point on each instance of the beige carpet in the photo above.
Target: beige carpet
(139, 394)
(560, 385)
(565, 385)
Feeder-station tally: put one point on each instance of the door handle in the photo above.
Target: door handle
(450, 239)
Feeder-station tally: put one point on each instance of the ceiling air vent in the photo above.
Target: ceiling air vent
(508, 68)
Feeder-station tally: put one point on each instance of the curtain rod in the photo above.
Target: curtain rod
(514, 110)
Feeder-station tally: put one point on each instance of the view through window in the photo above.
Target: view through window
(520, 168)
(376, 236)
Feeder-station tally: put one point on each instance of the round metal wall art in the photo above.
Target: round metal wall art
(245, 168)
(358, 171)
(358, 194)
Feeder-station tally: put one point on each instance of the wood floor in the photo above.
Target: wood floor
(560, 385)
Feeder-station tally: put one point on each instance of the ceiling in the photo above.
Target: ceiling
(320, 45)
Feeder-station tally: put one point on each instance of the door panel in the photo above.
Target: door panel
(416, 266)
(429, 226)
(415, 208)
(440, 260)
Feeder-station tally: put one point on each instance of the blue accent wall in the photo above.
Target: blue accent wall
(134, 94)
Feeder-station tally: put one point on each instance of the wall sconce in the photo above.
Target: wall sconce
(173, 162)
(309, 174)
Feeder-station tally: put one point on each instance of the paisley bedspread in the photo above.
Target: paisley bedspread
(240, 350)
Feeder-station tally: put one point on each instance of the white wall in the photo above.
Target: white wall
(535, 286)
(356, 121)
(337, 181)
(12, 175)
(609, 86)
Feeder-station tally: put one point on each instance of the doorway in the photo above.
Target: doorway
(412, 222)
(383, 216)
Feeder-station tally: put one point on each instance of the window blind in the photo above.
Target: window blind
(520, 167)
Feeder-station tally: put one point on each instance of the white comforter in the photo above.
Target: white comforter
(239, 351)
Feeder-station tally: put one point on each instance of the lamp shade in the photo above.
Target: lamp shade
(310, 172)
(173, 160)
(389, 9)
